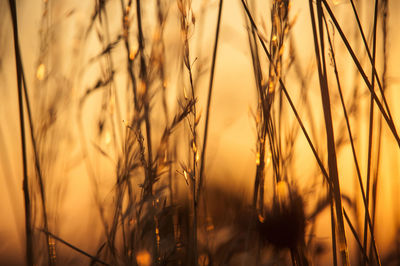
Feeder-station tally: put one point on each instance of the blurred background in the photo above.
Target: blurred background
(63, 54)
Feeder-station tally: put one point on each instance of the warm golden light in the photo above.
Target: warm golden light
(143, 258)
(41, 72)
(107, 137)
(282, 192)
(258, 158)
(133, 52)
(199, 132)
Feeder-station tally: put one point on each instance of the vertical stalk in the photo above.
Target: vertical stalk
(143, 80)
(25, 185)
(210, 87)
(332, 160)
(370, 130)
(194, 150)
(358, 171)
(385, 11)
(333, 227)
(262, 129)
(385, 113)
(283, 87)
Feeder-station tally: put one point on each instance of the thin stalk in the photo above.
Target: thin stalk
(333, 228)
(385, 11)
(194, 165)
(322, 168)
(25, 185)
(50, 252)
(161, 22)
(143, 77)
(130, 59)
(74, 247)
(371, 58)
(353, 230)
(195, 203)
(112, 87)
(262, 129)
(192, 139)
(371, 121)
(133, 79)
(387, 117)
(51, 257)
(210, 87)
(368, 219)
(283, 87)
(325, 174)
(332, 159)
(375, 186)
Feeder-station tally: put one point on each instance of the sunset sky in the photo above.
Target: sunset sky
(231, 151)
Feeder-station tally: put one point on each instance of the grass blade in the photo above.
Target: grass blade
(210, 88)
(28, 217)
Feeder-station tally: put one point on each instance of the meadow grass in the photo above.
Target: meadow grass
(138, 107)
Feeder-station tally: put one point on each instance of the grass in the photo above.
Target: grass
(27, 198)
(135, 120)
